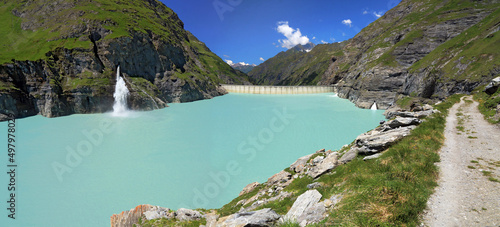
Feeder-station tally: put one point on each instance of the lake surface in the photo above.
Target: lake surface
(79, 170)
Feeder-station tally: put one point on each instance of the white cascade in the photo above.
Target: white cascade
(120, 95)
(374, 106)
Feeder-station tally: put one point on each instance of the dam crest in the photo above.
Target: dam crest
(265, 89)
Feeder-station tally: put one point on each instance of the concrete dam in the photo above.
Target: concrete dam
(257, 89)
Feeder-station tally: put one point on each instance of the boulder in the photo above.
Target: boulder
(264, 217)
(211, 219)
(306, 209)
(427, 107)
(327, 164)
(317, 160)
(419, 114)
(492, 87)
(299, 165)
(250, 187)
(376, 141)
(403, 121)
(157, 212)
(349, 155)
(372, 156)
(183, 214)
(281, 178)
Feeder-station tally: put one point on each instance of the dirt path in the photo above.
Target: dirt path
(467, 194)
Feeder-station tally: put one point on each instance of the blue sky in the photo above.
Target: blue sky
(251, 31)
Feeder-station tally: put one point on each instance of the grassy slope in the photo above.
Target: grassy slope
(488, 105)
(477, 48)
(121, 18)
(389, 191)
(300, 68)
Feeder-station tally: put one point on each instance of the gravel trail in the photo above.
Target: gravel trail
(467, 194)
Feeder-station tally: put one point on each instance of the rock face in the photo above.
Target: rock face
(306, 209)
(264, 217)
(74, 69)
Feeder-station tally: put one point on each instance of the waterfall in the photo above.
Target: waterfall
(120, 95)
(374, 106)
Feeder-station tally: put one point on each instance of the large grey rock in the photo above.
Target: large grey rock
(264, 217)
(419, 114)
(327, 164)
(183, 214)
(492, 87)
(250, 187)
(403, 121)
(375, 156)
(317, 160)
(211, 219)
(157, 212)
(282, 178)
(299, 165)
(376, 141)
(306, 209)
(349, 155)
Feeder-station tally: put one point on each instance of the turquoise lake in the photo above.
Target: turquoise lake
(80, 169)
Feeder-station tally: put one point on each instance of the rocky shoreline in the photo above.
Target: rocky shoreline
(309, 207)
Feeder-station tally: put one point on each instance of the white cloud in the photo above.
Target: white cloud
(379, 14)
(324, 42)
(314, 37)
(347, 22)
(229, 62)
(262, 59)
(343, 34)
(294, 37)
(332, 39)
(365, 12)
(226, 56)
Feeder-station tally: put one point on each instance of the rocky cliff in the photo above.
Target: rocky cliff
(428, 48)
(56, 64)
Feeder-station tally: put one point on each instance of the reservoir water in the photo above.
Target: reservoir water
(80, 169)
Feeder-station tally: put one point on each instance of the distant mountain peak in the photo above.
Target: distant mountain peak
(304, 48)
(241, 66)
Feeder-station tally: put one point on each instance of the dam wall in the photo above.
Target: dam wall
(254, 89)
